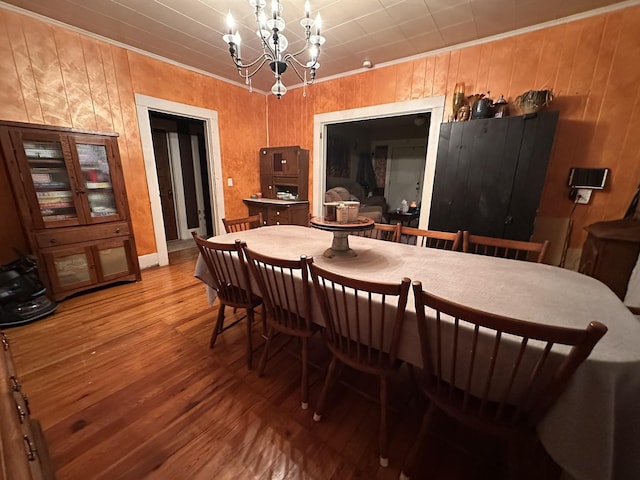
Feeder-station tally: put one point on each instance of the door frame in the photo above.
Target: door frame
(432, 105)
(144, 104)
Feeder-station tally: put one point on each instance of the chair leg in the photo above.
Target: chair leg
(218, 327)
(249, 343)
(265, 352)
(412, 456)
(317, 415)
(523, 446)
(304, 384)
(382, 440)
(420, 401)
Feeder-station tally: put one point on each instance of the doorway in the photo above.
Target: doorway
(180, 154)
(405, 173)
(426, 113)
(210, 156)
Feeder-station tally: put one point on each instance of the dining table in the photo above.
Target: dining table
(593, 430)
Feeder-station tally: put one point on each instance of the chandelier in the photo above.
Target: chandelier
(274, 46)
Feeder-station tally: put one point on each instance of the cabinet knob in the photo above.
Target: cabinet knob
(283, 162)
(277, 213)
(117, 230)
(5, 341)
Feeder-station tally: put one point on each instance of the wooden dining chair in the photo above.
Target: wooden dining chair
(495, 374)
(381, 231)
(245, 223)
(502, 247)
(230, 280)
(363, 323)
(284, 285)
(431, 238)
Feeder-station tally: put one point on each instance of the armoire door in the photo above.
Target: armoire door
(489, 175)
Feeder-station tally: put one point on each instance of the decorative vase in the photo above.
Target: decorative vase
(458, 98)
(533, 100)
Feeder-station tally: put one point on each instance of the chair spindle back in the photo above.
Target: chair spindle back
(362, 319)
(431, 238)
(381, 231)
(245, 223)
(228, 270)
(495, 369)
(501, 247)
(284, 285)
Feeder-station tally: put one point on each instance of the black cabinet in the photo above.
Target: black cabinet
(489, 174)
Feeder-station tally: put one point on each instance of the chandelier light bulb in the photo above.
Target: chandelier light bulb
(231, 23)
(262, 19)
(275, 9)
(318, 23)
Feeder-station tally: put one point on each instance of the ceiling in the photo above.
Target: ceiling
(189, 32)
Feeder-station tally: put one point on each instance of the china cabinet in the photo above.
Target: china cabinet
(284, 171)
(71, 197)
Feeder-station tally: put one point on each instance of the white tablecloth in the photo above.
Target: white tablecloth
(593, 431)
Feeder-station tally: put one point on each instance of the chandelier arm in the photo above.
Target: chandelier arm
(266, 48)
(289, 57)
(302, 50)
(293, 66)
(264, 59)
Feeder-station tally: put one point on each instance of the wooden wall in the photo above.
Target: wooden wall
(590, 64)
(57, 77)
(53, 76)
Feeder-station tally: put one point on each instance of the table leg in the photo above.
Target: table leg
(340, 246)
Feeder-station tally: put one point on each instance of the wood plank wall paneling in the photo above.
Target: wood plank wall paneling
(54, 76)
(591, 65)
(58, 77)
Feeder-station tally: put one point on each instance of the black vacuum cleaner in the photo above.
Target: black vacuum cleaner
(22, 295)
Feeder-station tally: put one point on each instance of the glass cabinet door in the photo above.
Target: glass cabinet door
(50, 180)
(96, 177)
(72, 267)
(113, 259)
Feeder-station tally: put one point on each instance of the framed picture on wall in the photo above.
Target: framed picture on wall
(338, 161)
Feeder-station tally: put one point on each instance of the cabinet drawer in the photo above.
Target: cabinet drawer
(23, 453)
(279, 216)
(69, 235)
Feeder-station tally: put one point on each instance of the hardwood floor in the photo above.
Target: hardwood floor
(126, 387)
